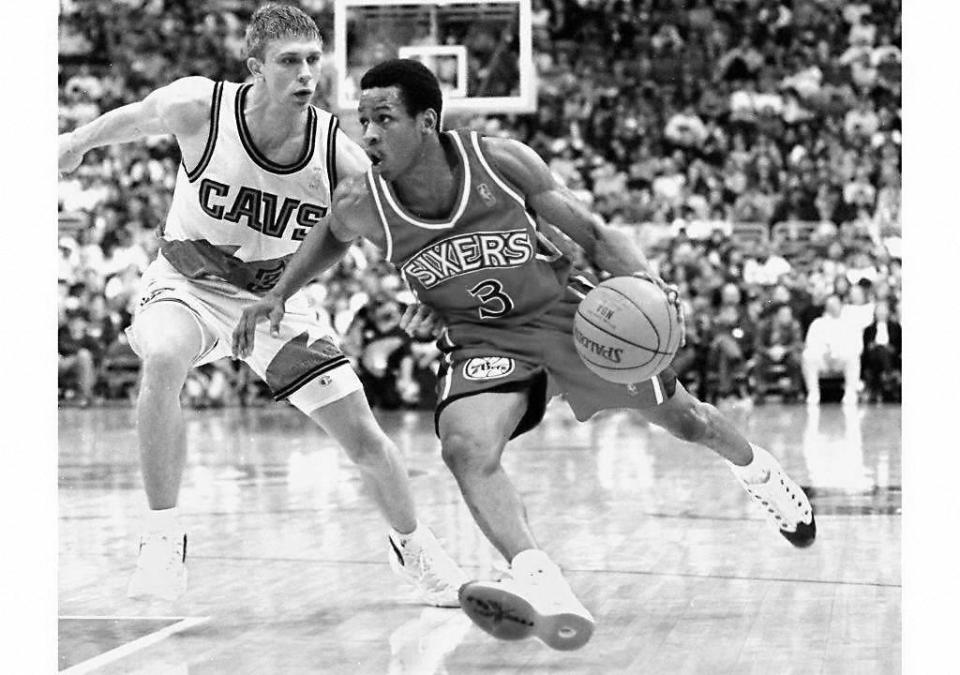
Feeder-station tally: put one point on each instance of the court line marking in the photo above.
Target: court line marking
(650, 573)
(734, 577)
(125, 650)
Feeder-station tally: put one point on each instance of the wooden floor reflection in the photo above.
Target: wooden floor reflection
(288, 556)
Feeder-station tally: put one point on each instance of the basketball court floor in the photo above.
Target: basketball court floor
(288, 556)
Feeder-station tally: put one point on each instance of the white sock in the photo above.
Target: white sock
(162, 521)
(533, 561)
(758, 470)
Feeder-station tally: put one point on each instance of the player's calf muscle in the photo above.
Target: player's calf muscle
(694, 422)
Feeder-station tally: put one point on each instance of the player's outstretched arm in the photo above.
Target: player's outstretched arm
(322, 248)
(607, 247)
(610, 249)
(180, 108)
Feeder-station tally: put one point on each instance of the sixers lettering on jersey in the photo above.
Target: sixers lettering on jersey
(258, 209)
(465, 253)
(487, 261)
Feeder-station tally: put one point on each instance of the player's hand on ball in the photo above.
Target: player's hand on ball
(68, 157)
(419, 317)
(268, 307)
(673, 296)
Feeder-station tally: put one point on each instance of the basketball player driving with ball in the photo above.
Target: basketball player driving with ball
(454, 211)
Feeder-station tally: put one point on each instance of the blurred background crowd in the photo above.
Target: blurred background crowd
(752, 147)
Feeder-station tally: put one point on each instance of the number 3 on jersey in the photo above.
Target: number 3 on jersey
(494, 303)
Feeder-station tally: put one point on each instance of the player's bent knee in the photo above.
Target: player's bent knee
(166, 362)
(167, 334)
(464, 453)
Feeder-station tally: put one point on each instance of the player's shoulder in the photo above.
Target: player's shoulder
(186, 102)
(497, 147)
(516, 160)
(193, 89)
(352, 193)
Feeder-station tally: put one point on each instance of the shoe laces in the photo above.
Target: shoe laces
(778, 494)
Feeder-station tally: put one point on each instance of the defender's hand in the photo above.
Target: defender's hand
(268, 307)
(673, 296)
(420, 317)
(68, 157)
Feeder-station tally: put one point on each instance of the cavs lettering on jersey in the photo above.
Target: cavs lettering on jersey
(486, 263)
(239, 217)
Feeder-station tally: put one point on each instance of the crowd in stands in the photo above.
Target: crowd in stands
(751, 146)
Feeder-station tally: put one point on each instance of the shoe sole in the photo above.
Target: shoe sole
(508, 616)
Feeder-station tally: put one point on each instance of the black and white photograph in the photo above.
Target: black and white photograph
(448, 337)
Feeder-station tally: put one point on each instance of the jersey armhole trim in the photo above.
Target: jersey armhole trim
(388, 245)
(505, 185)
(500, 180)
(211, 136)
(332, 152)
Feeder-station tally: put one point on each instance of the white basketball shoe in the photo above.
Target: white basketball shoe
(421, 560)
(161, 567)
(782, 500)
(530, 603)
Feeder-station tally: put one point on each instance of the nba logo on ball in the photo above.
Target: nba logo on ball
(626, 330)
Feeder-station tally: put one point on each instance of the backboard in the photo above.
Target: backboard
(481, 51)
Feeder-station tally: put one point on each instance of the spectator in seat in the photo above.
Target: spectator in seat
(858, 308)
(882, 344)
(376, 332)
(780, 341)
(77, 357)
(833, 344)
(731, 345)
(765, 268)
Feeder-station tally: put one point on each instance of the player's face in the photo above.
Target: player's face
(391, 136)
(291, 70)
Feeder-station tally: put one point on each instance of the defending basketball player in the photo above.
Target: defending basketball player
(453, 211)
(259, 166)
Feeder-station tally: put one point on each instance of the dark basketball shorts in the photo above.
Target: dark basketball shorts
(541, 359)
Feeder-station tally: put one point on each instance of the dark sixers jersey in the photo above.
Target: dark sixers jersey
(488, 262)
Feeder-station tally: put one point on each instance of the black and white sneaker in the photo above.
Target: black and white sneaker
(424, 564)
(783, 501)
(161, 567)
(535, 605)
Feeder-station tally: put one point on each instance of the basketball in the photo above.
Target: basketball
(626, 330)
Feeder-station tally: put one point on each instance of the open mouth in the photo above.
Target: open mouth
(375, 159)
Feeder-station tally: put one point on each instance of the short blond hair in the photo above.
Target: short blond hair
(274, 21)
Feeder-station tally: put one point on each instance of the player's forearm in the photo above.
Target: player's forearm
(606, 247)
(121, 125)
(318, 252)
(616, 253)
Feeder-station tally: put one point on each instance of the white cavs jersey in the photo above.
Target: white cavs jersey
(237, 216)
